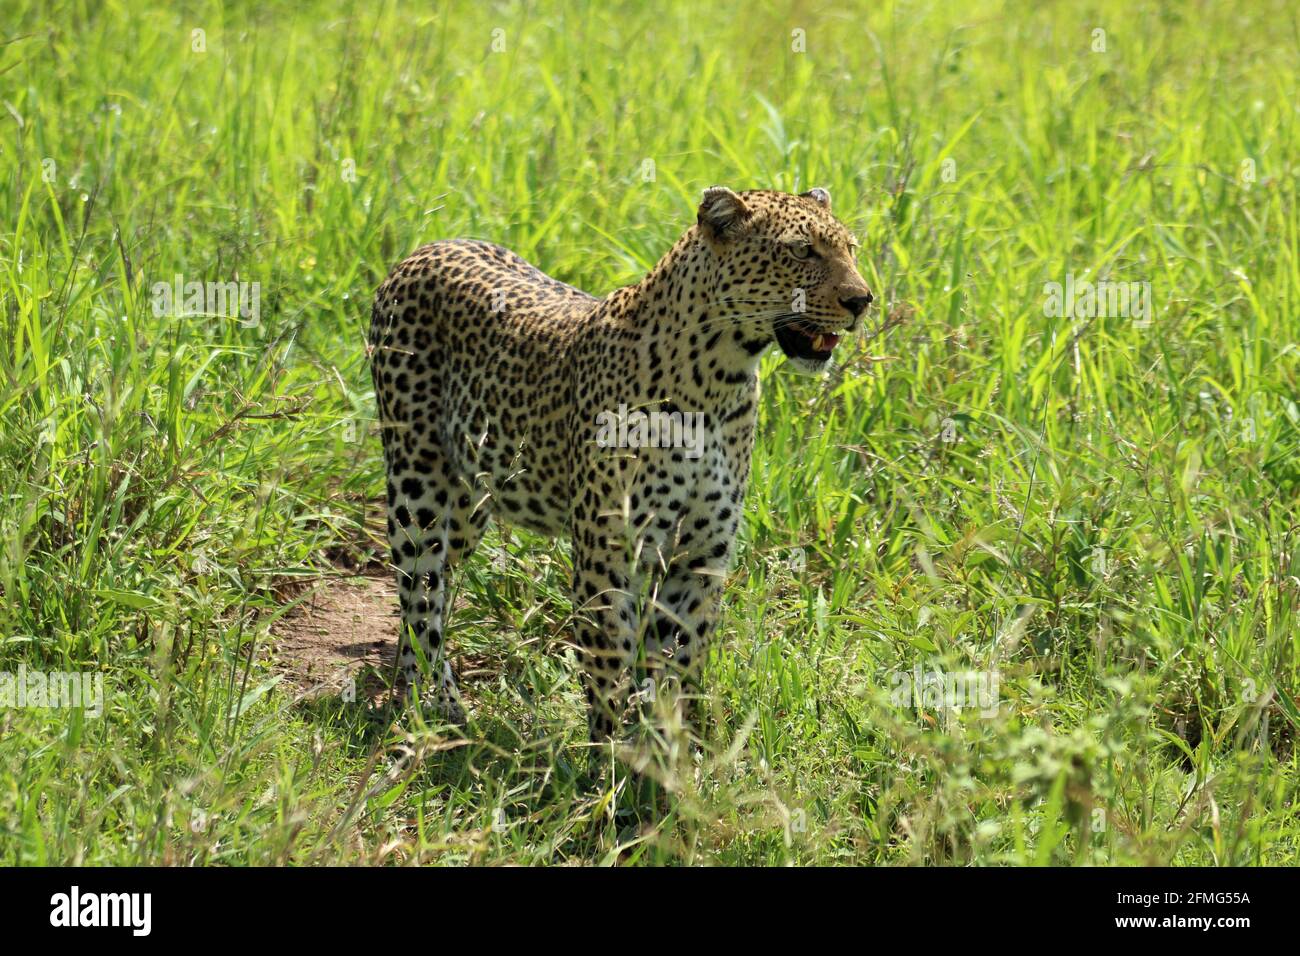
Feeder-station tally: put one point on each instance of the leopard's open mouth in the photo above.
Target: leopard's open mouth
(798, 340)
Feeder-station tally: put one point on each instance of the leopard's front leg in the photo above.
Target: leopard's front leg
(682, 621)
(605, 622)
(683, 616)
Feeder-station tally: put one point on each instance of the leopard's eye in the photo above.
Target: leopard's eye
(802, 250)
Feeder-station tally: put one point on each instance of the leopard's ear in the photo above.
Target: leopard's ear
(722, 213)
(821, 197)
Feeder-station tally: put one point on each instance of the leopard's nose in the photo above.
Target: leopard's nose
(858, 304)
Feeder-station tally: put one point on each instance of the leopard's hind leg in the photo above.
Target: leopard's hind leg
(435, 519)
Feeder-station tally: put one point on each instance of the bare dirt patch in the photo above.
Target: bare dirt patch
(345, 629)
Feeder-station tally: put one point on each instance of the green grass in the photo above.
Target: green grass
(1111, 524)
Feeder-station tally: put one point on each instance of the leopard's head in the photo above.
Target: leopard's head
(786, 270)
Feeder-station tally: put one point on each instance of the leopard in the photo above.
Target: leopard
(624, 423)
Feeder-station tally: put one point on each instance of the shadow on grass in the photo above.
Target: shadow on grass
(516, 771)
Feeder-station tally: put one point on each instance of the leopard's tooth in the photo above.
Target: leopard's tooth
(817, 344)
